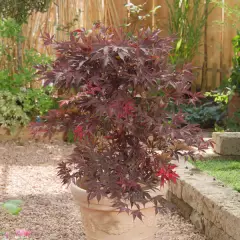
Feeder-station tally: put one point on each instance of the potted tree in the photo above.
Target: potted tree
(125, 135)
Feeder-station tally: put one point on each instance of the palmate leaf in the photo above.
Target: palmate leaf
(13, 206)
(137, 214)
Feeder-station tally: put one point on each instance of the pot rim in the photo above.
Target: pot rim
(80, 195)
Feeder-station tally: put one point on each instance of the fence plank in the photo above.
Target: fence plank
(113, 12)
(214, 44)
(215, 76)
(161, 18)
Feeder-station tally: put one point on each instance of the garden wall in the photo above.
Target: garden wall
(212, 208)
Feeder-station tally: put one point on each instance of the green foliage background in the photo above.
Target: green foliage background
(21, 9)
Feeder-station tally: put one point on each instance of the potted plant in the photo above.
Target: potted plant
(125, 136)
(234, 80)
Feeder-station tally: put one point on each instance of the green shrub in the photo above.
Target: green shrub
(18, 109)
(206, 115)
(25, 74)
(38, 101)
(20, 10)
(234, 80)
(20, 102)
(12, 114)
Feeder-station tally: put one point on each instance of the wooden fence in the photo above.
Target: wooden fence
(62, 13)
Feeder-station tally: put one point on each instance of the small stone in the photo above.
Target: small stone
(186, 167)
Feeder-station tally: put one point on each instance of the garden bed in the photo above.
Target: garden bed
(28, 172)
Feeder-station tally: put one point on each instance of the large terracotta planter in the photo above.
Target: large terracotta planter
(102, 222)
(234, 105)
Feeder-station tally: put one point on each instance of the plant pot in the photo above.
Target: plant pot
(103, 222)
(234, 105)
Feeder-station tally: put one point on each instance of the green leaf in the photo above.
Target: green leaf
(16, 201)
(179, 43)
(13, 206)
(155, 9)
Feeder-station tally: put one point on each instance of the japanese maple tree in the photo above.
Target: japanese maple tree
(126, 134)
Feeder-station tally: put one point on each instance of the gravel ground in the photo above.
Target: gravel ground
(28, 172)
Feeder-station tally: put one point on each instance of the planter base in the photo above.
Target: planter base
(102, 222)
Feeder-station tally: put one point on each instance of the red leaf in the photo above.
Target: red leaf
(78, 133)
(166, 173)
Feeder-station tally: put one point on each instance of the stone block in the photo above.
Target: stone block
(227, 143)
(197, 220)
(184, 209)
(176, 188)
(215, 233)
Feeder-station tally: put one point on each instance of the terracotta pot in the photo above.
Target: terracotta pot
(234, 105)
(102, 222)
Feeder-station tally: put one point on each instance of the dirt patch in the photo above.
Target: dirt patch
(28, 172)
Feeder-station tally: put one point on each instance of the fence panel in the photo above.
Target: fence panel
(62, 13)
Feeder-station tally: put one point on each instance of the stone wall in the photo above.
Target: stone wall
(213, 208)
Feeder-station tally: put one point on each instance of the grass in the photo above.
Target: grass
(227, 171)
